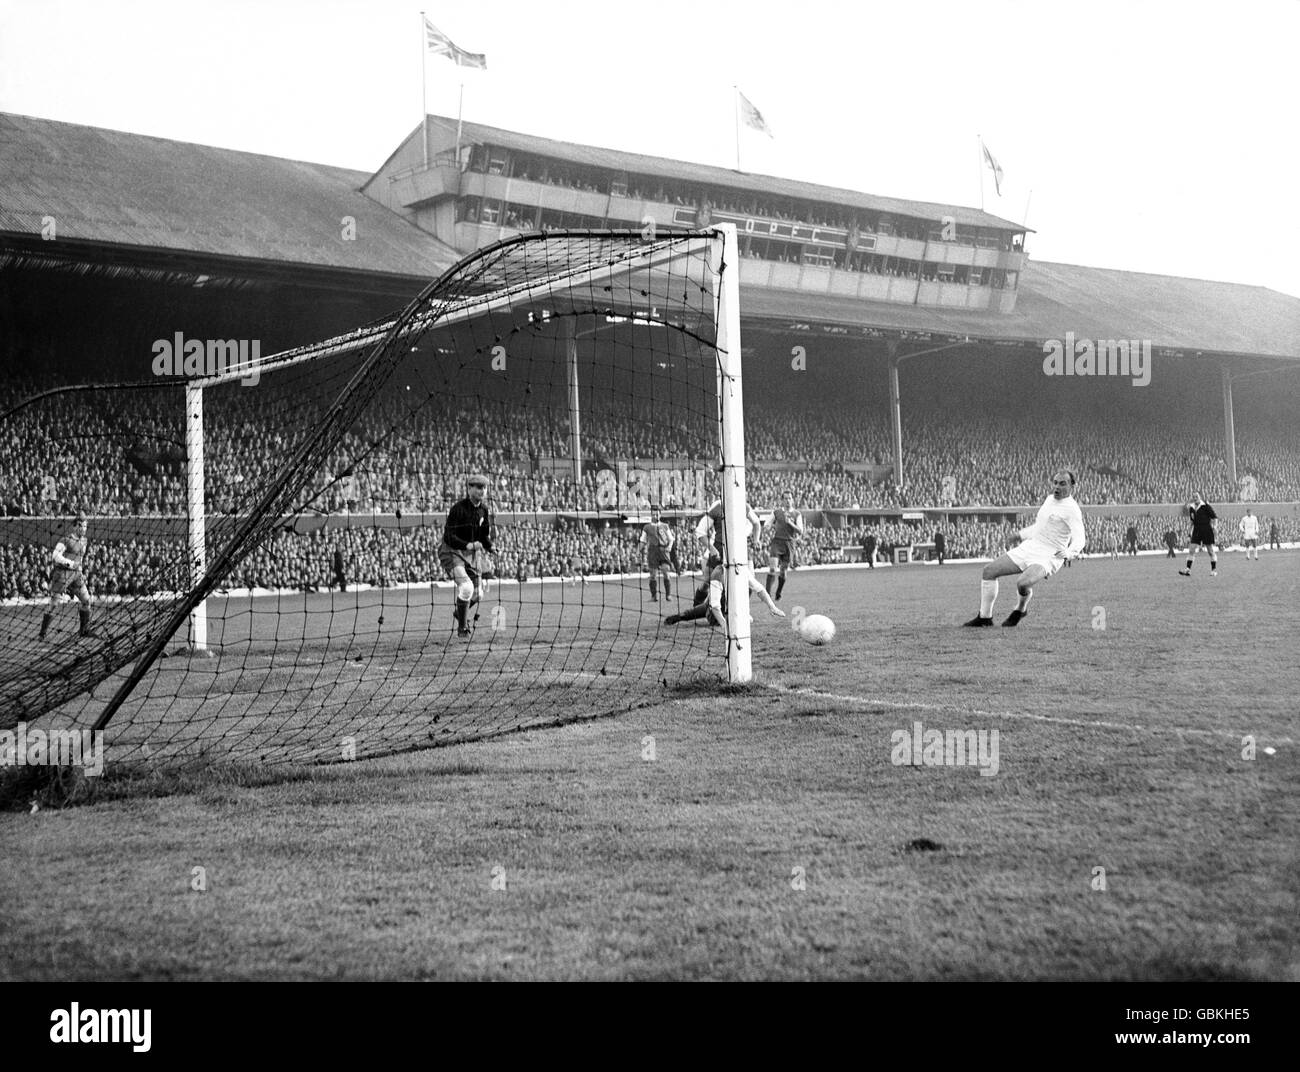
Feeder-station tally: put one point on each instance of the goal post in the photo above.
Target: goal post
(291, 523)
(196, 511)
(731, 436)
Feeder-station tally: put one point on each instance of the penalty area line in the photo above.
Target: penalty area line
(1131, 727)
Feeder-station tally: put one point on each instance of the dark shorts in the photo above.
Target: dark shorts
(70, 581)
(659, 558)
(781, 551)
(450, 559)
(1204, 535)
(1251, 543)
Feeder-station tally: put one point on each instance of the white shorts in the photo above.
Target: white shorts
(1034, 553)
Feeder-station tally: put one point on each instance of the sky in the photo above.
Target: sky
(1144, 135)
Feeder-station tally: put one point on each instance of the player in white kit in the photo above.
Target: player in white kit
(1250, 534)
(1056, 535)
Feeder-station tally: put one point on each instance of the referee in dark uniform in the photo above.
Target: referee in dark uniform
(1203, 518)
(465, 538)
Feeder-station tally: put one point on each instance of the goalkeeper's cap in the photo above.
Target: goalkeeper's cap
(476, 480)
(654, 508)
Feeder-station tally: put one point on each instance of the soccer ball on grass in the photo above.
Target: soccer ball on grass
(817, 629)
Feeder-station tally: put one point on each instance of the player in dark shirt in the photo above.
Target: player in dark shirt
(1131, 540)
(869, 543)
(466, 539)
(1203, 518)
(67, 576)
(340, 577)
(787, 527)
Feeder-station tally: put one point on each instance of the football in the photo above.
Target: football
(817, 629)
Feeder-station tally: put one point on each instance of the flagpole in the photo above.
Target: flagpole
(735, 107)
(424, 93)
(460, 108)
(1024, 220)
(980, 137)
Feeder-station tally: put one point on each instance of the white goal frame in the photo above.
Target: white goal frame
(724, 268)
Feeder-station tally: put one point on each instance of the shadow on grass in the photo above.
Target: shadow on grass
(22, 788)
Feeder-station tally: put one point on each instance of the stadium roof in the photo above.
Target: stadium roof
(708, 175)
(124, 189)
(1174, 313)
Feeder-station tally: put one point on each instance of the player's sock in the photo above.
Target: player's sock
(698, 611)
(46, 618)
(462, 608)
(654, 587)
(85, 623)
(988, 596)
(768, 581)
(1023, 605)
(1189, 565)
(668, 588)
(1214, 565)
(780, 586)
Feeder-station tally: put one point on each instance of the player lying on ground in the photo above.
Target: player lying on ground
(709, 602)
(1203, 518)
(1055, 537)
(466, 539)
(66, 576)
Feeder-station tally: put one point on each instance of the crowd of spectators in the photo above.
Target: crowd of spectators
(123, 453)
(379, 556)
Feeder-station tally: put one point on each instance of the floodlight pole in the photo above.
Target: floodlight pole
(569, 333)
(194, 511)
(726, 276)
(1229, 428)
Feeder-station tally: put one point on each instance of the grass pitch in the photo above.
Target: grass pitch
(767, 833)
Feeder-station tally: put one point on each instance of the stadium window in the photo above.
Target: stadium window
(497, 165)
(491, 212)
(976, 277)
(618, 189)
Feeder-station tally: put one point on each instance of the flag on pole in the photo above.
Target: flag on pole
(996, 167)
(440, 44)
(752, 116)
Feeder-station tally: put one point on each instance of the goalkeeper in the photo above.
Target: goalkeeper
(66, 576)
(1055, 537)
(466, 541)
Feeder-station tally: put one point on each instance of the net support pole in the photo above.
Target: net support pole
(194, 510)
(895, 415)
(726, 277)
(569, 333)
(1229, 428)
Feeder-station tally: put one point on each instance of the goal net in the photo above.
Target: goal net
(264, 561)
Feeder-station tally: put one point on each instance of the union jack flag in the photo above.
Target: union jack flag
(441, 45)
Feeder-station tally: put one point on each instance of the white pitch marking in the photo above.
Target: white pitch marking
(1096, 724)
